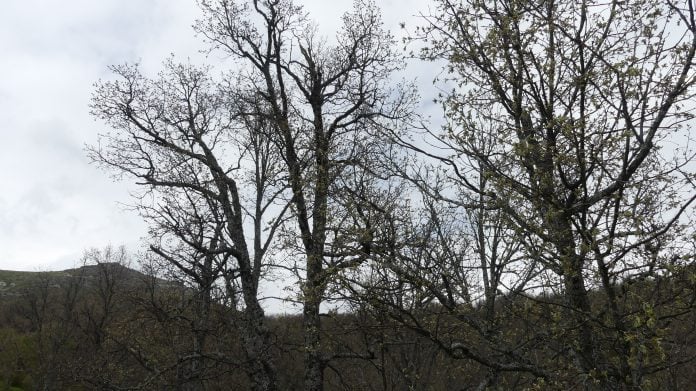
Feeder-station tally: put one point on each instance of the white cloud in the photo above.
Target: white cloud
(53, 204)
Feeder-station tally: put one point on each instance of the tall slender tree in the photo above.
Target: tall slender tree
(205, 171)
(326, 105)
(588, 109)
(300, 112)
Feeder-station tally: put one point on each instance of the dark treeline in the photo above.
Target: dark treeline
(105, 326)
(540, 238)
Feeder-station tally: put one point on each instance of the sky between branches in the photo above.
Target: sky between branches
(53, 203)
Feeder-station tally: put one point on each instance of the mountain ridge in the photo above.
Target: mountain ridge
(14, 282)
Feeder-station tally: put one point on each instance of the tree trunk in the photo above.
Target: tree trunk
(314, 366)
(314, 363)
(256, 341)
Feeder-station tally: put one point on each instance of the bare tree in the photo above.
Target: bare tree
(325, 105)
(586, 106)
(205, 171)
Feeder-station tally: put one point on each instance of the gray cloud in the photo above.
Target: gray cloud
(54, 204)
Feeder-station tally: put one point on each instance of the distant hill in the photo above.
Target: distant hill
(13, 283)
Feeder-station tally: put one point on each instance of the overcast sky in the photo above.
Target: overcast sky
(53, 203)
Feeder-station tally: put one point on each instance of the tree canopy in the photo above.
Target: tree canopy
(541, 238)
